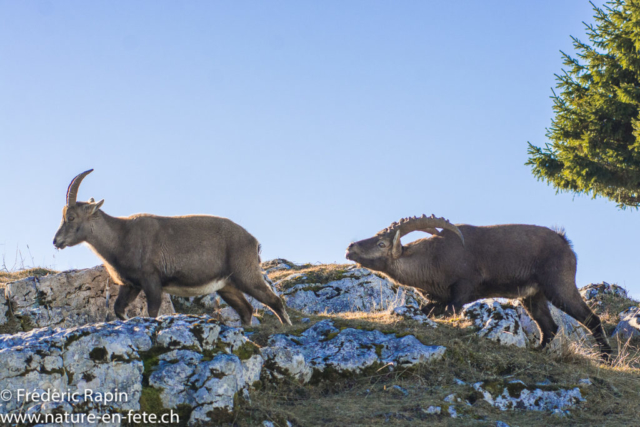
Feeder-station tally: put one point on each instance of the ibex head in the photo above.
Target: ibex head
(376, 252)
(76, 216)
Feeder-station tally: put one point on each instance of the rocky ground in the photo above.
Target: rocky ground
(360, 352)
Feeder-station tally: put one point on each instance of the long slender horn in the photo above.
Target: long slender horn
(424, 223)
(72, 191)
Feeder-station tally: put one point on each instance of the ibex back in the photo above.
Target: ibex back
(185, 256)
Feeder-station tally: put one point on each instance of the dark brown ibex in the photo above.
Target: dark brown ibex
(463, 263)
(185, 256)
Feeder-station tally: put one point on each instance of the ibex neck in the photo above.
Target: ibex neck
(398, 272)
(105, 236)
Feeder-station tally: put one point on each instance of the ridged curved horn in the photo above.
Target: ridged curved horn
(424, 223)
(72, 191)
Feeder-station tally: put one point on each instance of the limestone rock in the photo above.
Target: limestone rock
(413, 313)
(497, 321)
(277, 265)
(71, 298)
(595, 290)
(186, 360)
(517, 395)
(629, 325)
(356, 289)
(323, 349)
(5, 312)
(570, 331)
(508, 323)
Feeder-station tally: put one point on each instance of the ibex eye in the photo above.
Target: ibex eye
(70, 219)
(381, 244)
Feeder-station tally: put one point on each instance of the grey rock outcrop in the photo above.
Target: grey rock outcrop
(323, 350)
(569, 329)
(517, 395)
(595, 290)
(629, 325)
(277, 265)
(187, 363)
(71, 298)
(508, 323)
(354, 289)
(409, 312)
(497, 321)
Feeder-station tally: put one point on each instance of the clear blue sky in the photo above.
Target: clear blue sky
(311, 124)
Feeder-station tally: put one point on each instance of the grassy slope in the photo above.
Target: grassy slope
(612, 400)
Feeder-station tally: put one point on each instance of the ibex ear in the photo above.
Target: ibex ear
(396, 250)
(93, 207)
(91, 200)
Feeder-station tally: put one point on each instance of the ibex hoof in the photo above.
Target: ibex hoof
(122, 316)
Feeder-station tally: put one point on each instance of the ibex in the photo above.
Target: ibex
(463, 263)
(185, 256)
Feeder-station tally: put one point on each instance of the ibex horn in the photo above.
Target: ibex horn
(72, 191)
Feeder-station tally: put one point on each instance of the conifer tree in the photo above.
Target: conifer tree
(594, 136)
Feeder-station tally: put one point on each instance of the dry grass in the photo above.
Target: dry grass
(322, 273)
(612, 400)
(11, 276)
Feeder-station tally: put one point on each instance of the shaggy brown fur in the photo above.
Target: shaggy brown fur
(186, 255)
(532, 263)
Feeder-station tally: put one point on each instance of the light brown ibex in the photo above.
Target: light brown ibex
(185, 256)
(464, 263)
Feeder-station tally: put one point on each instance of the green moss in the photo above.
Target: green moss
(150, 400)
(151, 403)
(74, 338)
(247, 350)
(515, 389)
(379, 349)
(88, 377)
(118, 358)
(150, 359)
(312, 288)
(494, 387)
(59, 371)
(98, 354)
(331, 336)
(402, 334)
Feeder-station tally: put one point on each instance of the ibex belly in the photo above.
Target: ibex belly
(194, 291)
